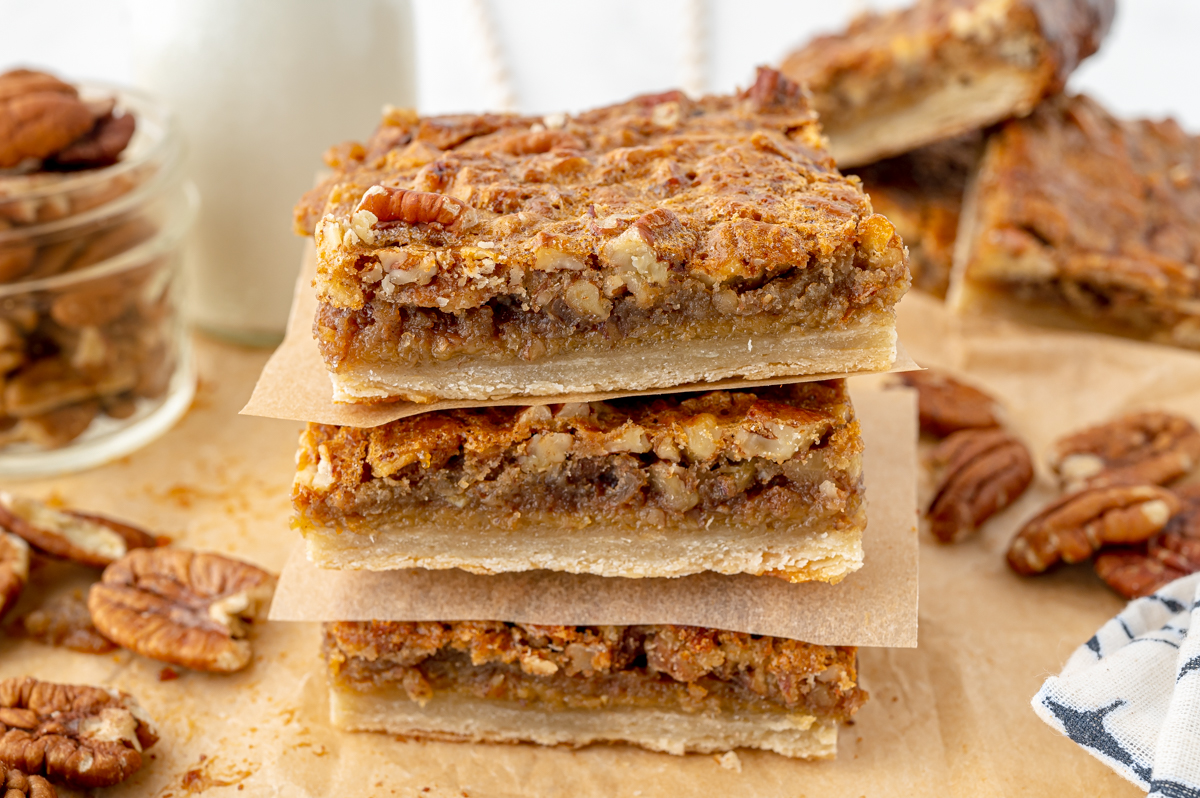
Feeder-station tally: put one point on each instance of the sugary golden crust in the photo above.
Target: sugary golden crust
(758, 452)
(882, 56)
(632, 664)
(1093, 215)
(921, 192)
(591, 229)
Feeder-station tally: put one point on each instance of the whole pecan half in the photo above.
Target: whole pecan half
(14, 570)
(1137, 572)
(982, 472)
(82, 736)
(39, 124)
(946, 405)
(19, 785)
(1150, 448)
(17, 82)
(411, 207)
(183, 607)
(1079, 524)
(85, 538)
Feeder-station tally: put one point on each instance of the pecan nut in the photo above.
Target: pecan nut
(983, 471)
(85, 538)
(18, 82)
(63, 622)
(411, 207)
(18, 785)
(1079, 524)
(946, 405)
(83, 736)
(1175, 553)
(101, 147)
(182, 607)
(39, 124)
(1151, 448)
(14, 570)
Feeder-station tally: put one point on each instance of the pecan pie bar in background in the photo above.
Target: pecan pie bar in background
(1080, 219)
(895, 81)
(663, 241)
(667, 688)
(756, 481)
(921, 192)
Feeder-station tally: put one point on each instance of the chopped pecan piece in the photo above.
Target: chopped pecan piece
(18, 785)
(14, 570)
(85, 538)
(946, 405)
(1151, 448)
(183, 607)
(983, 471)
(1137, 572)
(1079, 524)
(82, 736)
(64, 622)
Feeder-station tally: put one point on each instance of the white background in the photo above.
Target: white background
(573, 54)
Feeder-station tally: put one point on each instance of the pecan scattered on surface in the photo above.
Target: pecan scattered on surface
(183, 607)
(982, 472)
(1151, 448)
(64, 622)
(18, 785)
(1137, 572)
(14, 570)
(411, 207)
(82, 736)
(1079, 524)
(85, 538)
(946, 405)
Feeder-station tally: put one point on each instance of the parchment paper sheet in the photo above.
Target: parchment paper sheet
(875, 606)
(949, 718)
(295, 385)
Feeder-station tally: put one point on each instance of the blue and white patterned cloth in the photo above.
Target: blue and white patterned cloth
(1131, 695)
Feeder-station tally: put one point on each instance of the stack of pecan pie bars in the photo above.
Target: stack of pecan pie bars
(557, 295)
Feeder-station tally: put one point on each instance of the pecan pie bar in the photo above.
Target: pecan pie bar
(756, 481)
(1080, 219)
(667, 688)
(895, 81)
(921, 192)
(660, 242)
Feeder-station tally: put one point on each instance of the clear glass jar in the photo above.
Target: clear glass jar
(94, 361)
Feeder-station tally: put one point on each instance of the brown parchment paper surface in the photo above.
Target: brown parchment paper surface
(295, 385)
(874, 606)
(950, 717)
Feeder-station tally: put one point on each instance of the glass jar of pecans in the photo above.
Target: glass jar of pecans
(94, 361)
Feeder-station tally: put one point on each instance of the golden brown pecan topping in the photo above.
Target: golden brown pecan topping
(14, 570)
(947, 405)
(1079, 524)
(982, 472)
(1151, 448)
(85, 538)
(19, 785)
(82, 736)
(183, 607)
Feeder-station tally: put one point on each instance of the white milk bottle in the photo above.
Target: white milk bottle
(262, 88)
